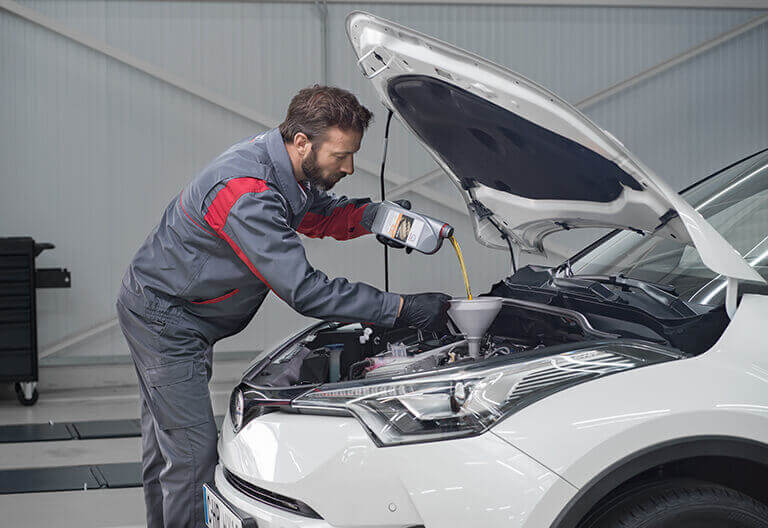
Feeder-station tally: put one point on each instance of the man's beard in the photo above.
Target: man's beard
(314, 173)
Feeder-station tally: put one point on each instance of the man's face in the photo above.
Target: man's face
(330, 158)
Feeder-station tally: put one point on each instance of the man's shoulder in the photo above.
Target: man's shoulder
(256, 146)
(244, 197)
(251, 152)
(240, 160)
(237, 171)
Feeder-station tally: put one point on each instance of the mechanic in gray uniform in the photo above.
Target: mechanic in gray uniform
(227, 240)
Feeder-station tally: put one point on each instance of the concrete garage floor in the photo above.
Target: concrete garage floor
(96, 508)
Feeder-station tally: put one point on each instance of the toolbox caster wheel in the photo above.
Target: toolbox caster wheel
(26, 393)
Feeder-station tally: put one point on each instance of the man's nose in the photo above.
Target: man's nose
(348, 167)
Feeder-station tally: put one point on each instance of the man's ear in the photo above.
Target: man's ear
(302, 143)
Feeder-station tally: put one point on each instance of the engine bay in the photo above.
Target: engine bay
(332, 352)
(335, 352)
(535, 314)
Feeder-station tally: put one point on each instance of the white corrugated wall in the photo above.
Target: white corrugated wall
(91, 150)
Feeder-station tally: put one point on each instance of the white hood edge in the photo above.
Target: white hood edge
(388, 51)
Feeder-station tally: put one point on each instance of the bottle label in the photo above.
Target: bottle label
(403, 228)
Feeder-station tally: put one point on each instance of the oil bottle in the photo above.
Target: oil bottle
(416, 231)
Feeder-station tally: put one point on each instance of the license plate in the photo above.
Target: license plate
(219, 514)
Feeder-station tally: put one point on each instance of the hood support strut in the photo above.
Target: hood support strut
(384, 196)
(482, 213)
(731, 296)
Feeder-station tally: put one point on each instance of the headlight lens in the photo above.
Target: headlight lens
(248, 402)
(236, 409)
(466, 402)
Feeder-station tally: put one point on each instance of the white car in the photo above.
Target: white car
(627, 387)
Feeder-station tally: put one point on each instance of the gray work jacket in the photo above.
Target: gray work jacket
(231, 236)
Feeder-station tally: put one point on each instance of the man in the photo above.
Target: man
(227, 240)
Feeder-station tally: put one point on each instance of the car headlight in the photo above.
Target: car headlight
(467, 401)
(236, 409)
(248, 402)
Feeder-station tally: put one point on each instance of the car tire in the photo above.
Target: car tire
(683, 504)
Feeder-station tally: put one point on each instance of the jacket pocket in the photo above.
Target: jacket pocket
(179, 394)
(217, 299)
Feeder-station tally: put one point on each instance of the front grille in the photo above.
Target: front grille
(269, 497)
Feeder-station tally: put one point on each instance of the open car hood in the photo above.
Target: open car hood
(525, 162)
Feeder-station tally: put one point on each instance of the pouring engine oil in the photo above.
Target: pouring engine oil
(409, 228)
(416, 231)
(456, 247)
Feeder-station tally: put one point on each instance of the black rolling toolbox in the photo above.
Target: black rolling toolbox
(18, 318)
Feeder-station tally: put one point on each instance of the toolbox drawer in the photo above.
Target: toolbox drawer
(17, 365)
(14, 336)
(18, 332)
(15, 303)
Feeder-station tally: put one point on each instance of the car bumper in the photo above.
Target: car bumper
(266, 516)
(331, 465)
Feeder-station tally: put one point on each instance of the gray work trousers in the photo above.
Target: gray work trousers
(178, 431)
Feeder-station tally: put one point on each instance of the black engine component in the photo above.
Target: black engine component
(286, 371)
(691, 334)
(315, 369)
(346, 338)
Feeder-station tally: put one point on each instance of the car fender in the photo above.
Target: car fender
(720, 396)
(653, 456)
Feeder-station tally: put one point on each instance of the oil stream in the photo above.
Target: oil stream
(463, 267)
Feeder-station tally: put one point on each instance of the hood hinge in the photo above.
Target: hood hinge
(480, 210)
(666, 218)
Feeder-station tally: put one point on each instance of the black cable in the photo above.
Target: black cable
(384, 197)
(505, 237)
(511, 253)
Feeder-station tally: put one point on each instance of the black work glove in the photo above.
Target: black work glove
(405, 204)
(424, 310)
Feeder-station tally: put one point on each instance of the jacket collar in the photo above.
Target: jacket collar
(288, 186)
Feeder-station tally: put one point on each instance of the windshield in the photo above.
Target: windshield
(734, 201)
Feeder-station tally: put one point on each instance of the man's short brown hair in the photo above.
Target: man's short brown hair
(316, 109)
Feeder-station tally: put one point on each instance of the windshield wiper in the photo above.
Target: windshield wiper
(661, 293)
(589, 286)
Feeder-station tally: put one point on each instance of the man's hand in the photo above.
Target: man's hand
(405, 204)
(424, 310)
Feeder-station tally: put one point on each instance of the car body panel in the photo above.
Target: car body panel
(266, 516)
(390, 54)
(338, 471)
(723, 392)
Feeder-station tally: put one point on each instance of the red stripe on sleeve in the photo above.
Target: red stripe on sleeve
(343, 223)
(225, 199)
(228, 196)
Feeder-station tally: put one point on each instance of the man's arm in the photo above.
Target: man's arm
(255, 227)
(338, 216)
